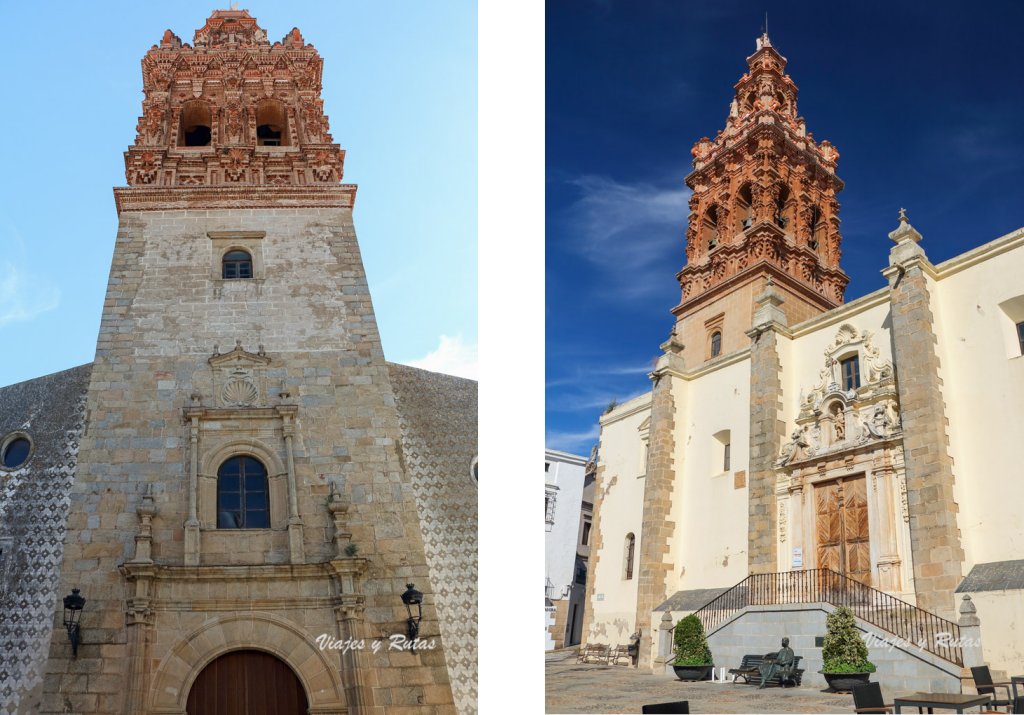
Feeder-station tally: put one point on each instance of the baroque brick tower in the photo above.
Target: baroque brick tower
(241, 492)
(763, 206)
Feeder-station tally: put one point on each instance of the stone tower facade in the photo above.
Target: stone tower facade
(763, 205)
(241, 481)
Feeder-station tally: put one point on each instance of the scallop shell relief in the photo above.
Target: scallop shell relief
(241, 393)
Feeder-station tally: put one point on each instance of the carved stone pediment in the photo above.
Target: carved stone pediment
(833, 420)
(239, 377)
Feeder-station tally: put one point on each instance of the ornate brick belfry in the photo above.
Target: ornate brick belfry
(233, 111)
(763, 204)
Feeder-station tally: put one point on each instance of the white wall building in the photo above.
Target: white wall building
(568, 508)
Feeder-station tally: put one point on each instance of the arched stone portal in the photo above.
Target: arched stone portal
(247, 682)
(316, 670)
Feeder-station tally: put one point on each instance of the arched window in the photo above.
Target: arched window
(716, 343)
(745, 207)
(237, 264)
(242, 495)
(196, 123)
(709, 228)
(818, 228)
(271, 124)
(782, 208)
(628, 559)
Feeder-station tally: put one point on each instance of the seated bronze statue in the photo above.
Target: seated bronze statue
(781, 665)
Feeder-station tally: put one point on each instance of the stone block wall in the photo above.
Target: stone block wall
(651, 567)
(166, 313)
(34, 500)
(438, 416)
(934, 535)
(766, 433)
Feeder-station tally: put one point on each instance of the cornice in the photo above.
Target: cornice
(642, 404)
(170, 198)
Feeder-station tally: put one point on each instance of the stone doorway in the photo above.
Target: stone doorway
(841, 521)
(247, 682)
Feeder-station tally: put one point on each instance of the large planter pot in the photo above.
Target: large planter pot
(693, 672)
(845, 681)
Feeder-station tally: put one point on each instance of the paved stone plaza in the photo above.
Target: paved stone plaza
(589, 688)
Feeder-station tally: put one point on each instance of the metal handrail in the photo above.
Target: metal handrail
(907, 622)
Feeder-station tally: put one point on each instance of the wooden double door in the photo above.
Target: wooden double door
(247, 682)
(841, 520)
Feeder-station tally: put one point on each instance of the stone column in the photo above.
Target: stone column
(889, 558)
(664, 642)
(796, 521)
(657, 527)
(349, 617)
(970, 634)
(936, 550)
(139, 616)
(767, 430)
(295, 537)
(192, 524)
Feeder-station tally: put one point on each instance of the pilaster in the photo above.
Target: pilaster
(658, 529)
(767, 431)
(934, 536)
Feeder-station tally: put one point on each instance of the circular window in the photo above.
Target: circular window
(474, 471)
(16, 452)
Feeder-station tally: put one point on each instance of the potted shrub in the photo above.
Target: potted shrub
(693, 656)
(844, 654)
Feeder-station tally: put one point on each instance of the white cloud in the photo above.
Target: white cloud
(573, 442)
(23, 297)
(454, 356)
(630, 230)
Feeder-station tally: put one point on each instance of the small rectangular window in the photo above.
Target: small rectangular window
(1020, 336)
(547, 466)
(726, 461)
(851, 373)
(586, 533)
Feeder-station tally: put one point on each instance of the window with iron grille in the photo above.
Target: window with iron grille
(242, 501)
(237, 264)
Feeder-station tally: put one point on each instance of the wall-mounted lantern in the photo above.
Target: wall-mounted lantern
(411, 598)
(73, 605)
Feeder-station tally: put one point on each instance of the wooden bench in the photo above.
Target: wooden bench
(593, 653)
(620, 653)
(750, 667)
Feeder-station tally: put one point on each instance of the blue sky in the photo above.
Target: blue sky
(400, 89)
(923, 101)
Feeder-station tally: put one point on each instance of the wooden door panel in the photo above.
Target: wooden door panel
(247, 682)
(841, 521)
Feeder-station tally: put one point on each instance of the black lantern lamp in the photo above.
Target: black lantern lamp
(411, 598)
(73, 605)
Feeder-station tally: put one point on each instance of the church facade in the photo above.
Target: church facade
(790, 435)
(239, 484)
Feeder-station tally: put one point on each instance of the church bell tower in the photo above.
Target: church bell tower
(763, 207)
(240, 494)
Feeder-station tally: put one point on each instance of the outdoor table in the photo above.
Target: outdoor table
(1014, 682)
(945, 701)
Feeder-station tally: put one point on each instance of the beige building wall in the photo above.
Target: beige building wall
(710, 501)
(619, 490)
(980, 295)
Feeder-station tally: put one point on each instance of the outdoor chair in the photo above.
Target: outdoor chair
(984, 685)
(867, 698)
(1018, 707)
(679, 706)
